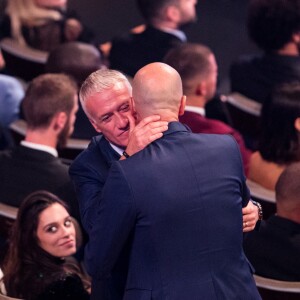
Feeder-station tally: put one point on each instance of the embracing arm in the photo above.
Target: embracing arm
(147, 131)
(113, 224)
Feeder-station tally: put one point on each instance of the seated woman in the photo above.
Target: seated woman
(35, 267)
(42, 24)
(279, 143)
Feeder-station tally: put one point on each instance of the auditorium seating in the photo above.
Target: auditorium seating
(245, 117)
(271, 289)
(264, 196)
(22, 61)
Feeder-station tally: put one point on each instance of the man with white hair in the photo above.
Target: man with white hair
(161, 201)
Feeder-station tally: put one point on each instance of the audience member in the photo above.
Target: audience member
(43, 24)
(275, 27)
(50, 105)
(177, 250)
(105, 96)
(164, 20)
(78, 60)
(11, 95)
(196, 65)
(42, 237)
(2, 61)
(274, 249)
(279, 143)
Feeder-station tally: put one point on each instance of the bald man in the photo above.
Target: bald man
(277, 256)
(161, 200)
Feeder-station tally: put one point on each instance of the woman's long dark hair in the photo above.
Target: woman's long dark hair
(279, 140)
(27, 268)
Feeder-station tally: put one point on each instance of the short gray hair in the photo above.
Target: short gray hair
(99, 81)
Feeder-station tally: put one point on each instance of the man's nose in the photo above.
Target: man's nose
(122, 121)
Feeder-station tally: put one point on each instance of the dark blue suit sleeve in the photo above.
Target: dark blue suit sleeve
(88, 184)
(244, 189)
(114, 221)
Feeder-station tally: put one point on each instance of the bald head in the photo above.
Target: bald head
(288, 193)
(157, 89)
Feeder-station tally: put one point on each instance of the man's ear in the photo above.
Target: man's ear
(182, 105)
(201, 89)
(172, 13)
(297, 124)
(296, 37)
(59, 121)
(95, 125)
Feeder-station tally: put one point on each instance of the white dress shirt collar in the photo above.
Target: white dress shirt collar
(196, 109)
(40, 147)
(117, 149)
(178, 33)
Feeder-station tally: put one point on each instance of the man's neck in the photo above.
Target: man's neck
(194, 100)
(41, 137)
(164, 25)
(290, 49)
(292, 216)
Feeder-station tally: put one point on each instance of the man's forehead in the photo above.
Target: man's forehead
(122, 86)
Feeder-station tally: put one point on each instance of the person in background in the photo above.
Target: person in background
(50, 107)
(42, 24)
(11, 96)
(36, 265)
(2, 61)
(274, 26)
(197, 67)
(279, 141)
(164, 21)
(277, 255)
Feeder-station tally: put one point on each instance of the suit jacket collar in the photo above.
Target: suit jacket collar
(29, 154)
(174, 127)
(153, 32)
(105, 148)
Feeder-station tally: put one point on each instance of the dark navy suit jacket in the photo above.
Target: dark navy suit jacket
(181, 200)
(89, 172)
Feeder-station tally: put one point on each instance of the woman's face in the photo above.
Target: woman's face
(51, 3)
(56, 232)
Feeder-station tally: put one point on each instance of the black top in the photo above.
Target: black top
(70, 287)
(274, 249)
(132, 51)
(255, 76)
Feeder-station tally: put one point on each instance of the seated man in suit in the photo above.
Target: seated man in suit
(50, 107)
(164, 19)
(197, 66)
(161, 201)
(274, 249)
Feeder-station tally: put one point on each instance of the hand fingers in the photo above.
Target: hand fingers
(248, 226)
(148, 120)
(131, 123)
